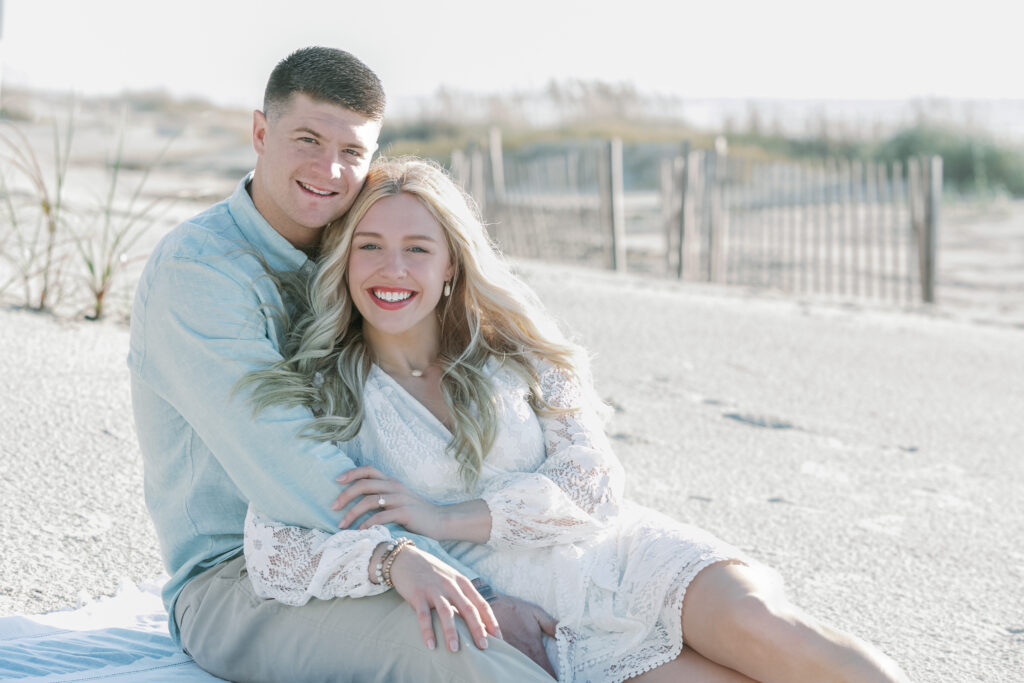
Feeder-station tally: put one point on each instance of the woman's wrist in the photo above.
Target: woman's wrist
(467, 521)
(383, 557)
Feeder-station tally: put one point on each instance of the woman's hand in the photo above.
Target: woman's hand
(468, 521)
(400, 506)
(428, 584)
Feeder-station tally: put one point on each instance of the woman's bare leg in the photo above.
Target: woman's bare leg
(736, 616)
(690, 666)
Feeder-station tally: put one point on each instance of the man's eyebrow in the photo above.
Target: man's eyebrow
(315, 134)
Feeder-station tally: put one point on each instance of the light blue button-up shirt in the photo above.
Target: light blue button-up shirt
(204, 315)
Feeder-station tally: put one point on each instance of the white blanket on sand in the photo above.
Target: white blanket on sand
(122, 637)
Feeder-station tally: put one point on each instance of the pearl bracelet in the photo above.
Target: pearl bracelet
(379, 573)
(384, 566)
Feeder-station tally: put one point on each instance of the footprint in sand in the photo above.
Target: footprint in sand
(614, 405)
(763, 421)
(945, 501)
(89, 524)
(890, 525)
(824, 472)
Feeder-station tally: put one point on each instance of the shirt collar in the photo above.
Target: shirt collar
(278, 252)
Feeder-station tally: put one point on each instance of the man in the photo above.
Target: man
(205, 314)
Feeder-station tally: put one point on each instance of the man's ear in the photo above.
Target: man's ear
(259, 131)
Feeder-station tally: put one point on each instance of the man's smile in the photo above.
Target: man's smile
(315, 190)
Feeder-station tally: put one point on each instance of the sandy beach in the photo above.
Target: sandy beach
(872, 456)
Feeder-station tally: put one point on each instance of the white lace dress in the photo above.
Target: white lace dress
(612, 573)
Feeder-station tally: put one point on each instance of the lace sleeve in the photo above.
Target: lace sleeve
(575, 491)
(293, 564)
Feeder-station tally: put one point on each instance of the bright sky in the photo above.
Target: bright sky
(792, 49)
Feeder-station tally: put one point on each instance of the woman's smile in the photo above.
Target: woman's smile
(390, 298)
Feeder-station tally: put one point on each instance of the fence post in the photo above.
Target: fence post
(616, 199)
(914, 212)
(684, 186)
(460, 168)
(723, 182)
(477, 178)
(708, 209)
(797, 265)
(666, 187)
(497, 164)
(871, 228)
(857, 206)
(929, 238)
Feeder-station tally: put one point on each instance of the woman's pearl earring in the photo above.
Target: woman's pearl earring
(447, 289)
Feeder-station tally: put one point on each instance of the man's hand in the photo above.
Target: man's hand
(522, 624)
(428, 584)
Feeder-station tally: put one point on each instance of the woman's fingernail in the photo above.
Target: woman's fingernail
(431, 644)
(482, 643)
(453, 645)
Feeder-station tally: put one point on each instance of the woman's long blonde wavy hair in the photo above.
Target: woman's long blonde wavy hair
(489, 314)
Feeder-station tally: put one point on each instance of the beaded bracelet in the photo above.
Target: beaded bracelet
(380, 565)
(379, 573)
(397, 546)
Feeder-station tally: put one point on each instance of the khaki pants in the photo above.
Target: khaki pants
(232, 633)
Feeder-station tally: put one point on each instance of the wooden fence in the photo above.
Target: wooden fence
(842, 228)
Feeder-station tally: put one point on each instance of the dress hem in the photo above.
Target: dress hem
(677, 648)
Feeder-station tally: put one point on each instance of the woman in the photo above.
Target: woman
(475, 423)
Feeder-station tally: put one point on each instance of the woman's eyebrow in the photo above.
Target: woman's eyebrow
(407, 238)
